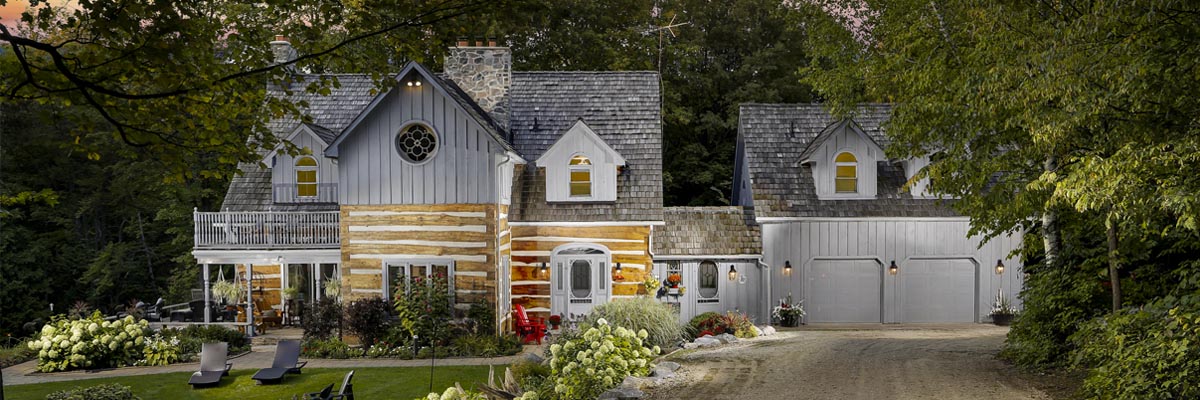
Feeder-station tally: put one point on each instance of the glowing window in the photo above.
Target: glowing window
(581, 176)
(846, 179)
(306, 177)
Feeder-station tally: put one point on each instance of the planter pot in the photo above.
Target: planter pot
(673, 291)
(1002, 319)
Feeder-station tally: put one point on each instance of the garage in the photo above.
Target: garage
(844, 291)
(937, 291)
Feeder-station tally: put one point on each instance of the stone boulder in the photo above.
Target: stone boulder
(622, 393)
(768, 330)
(726, 338)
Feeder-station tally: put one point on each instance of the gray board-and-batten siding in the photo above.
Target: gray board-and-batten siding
(462, 171)
(919, 246)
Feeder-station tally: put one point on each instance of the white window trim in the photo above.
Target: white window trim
(437, 145)
(409, 263)
(590, 168)
(296, 169)
(857, 175)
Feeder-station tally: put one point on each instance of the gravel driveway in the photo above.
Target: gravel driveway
(857, 362)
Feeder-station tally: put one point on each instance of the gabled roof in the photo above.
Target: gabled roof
(444, 87)
(831, 131)
(327, 136)
(582, 131)
(621, 108)
(707, 231)
(774, 136)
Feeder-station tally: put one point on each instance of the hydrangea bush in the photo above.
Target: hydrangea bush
(91, 342)
(599, 360)
(160, 350)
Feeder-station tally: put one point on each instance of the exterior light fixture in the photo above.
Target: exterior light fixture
(732, 272)
(893, 269)
(418, 83)
(414, 83)
(999, 267)
(787, 268)
(545, 269)
(410, 83)
(618, 268)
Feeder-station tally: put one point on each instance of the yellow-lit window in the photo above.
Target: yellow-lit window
(846, 180)
(306, 177)
(581, 176)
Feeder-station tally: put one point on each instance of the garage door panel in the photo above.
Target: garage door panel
(843, 291)
(937, 291)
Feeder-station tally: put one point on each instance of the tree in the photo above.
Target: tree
(1036, 107)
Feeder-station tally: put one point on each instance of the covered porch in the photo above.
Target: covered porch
(273, 286)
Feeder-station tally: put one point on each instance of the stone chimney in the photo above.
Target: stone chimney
(484, 72)
(283, 51)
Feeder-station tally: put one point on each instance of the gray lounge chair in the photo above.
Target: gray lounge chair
(213, 365)
(346, 393)
(287, 360)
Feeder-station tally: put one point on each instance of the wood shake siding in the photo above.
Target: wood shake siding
(533, 245)
(464, 233)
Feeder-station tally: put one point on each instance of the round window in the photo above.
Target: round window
(416, 143)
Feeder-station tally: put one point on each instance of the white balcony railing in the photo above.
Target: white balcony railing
(290, 193)
(267, 230)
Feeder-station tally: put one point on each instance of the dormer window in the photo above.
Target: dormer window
(306, 177)
(580, 176)
(846, 179)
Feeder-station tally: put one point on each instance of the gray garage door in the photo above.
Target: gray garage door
(937, 291)
(843, 291)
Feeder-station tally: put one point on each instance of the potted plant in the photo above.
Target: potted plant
(788, 313)
(651, 284)
(226, 292)
(1002, 311)
(673, 282)
(555, 321)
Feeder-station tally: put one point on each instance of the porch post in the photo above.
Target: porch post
(207, 297)
(250, 299)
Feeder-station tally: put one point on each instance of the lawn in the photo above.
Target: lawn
(402, 383)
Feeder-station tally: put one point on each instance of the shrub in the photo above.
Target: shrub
(740, 325)
(583, 368)
(658, 319)
(1144, 354)
(424, 309)
(1057, 301)
(160, 350)
(110, 391)
(368, 319)
(455, 392)
(734, 323)
(322, 320)
(480, 345)
(16, 354)
(328, 348)
(704, 323)
(91, 342)
(192, 337)
(482, 318)
(529, 374)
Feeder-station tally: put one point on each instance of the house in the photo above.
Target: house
(533, 188)
(842, 233)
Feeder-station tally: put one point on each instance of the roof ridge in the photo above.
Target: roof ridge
(588, 72)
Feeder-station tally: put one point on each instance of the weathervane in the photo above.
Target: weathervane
(667, 28)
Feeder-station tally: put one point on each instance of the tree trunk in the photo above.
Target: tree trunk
(1051, 237)
(1113, 264)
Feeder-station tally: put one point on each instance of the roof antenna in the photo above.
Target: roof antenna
(667, 28)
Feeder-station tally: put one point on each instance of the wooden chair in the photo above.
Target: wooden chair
(528, 329)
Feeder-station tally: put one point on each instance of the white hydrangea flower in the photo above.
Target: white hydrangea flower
(602, 321)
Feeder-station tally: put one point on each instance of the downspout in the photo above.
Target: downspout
(766, 283)
(501, 317)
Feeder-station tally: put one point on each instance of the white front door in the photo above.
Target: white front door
(580, 283)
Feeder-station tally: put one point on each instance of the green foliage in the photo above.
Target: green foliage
(99, 392)
(455, 392)
(160, 350)
(483, 345)
(530, 375)
(15, 353)
(599, 360)
(328, 348)
(66, 344)
(1151, 353)
(193, 337)
(323, 319)
(424, 310)
(642, 313)
(482, 318)
(367, 318)
(712, 323)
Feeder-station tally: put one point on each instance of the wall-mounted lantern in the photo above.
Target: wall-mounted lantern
(545, 269)
(732, 272)
(893, 269)
(618, 268)
(999, 267)
(787, 268)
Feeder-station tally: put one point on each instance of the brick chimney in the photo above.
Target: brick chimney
(484, 72)
(283, 51)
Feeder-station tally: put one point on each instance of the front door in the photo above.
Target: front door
(580, 283)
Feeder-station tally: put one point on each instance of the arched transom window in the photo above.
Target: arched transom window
(846, 173)
(581, 176)
(306, 177)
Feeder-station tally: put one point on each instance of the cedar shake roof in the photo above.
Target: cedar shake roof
(774, 136)
(623, 108)
(707, 231)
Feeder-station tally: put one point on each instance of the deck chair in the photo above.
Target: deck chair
(287, 360)
(346, 392)
(213, 365)
(528, 329)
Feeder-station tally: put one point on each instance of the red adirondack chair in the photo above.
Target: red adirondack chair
(528, 329)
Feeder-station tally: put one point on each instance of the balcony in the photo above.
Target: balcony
(267, 230)
(291, 193)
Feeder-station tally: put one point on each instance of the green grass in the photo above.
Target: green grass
(402, 383)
